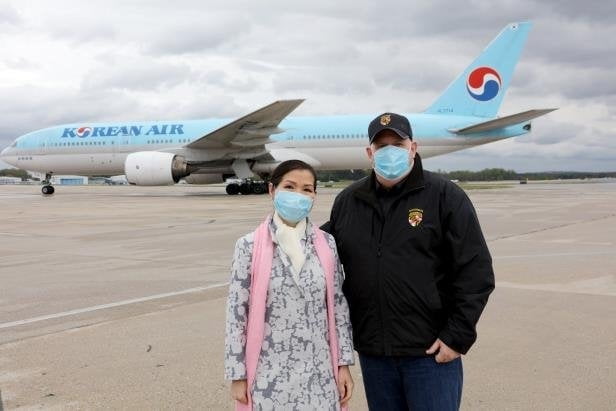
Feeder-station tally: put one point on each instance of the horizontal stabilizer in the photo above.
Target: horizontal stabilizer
(502, 122)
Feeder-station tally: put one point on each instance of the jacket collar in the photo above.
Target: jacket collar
(367, 190)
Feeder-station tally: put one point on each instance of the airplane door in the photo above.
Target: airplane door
(123, 148)
(125, 142)
(42, 142)
(113, 150)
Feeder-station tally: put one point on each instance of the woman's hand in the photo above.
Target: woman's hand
(239, 391)
(345, 384)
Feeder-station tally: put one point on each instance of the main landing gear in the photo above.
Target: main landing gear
(246, 187)
(47, 187)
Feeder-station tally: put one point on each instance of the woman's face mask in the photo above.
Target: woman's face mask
(391, 162)
(292, 206)
(294, 196)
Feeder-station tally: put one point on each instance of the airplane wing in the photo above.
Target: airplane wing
(250, 131)
(502, 121)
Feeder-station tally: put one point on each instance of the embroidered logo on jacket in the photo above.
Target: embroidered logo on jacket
(415, 216)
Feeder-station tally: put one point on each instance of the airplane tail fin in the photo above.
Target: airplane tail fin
(480, 89)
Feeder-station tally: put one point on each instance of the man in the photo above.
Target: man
(418, 274)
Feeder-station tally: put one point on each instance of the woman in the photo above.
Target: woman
(288, 333)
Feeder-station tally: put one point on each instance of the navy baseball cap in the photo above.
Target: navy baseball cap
(390, 121)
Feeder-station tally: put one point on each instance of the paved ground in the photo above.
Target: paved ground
(110, 297)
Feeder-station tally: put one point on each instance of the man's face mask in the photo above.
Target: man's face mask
(391, 162)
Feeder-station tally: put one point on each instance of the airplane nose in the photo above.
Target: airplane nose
(4, 154)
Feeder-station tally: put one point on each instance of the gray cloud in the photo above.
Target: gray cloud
(590, 12)
(573, 43)
(79, 31)
(9, 15)
(552, 132)
(196, 33)
(325, 80)
(31, 108)
(18, 63)
(570, 82)
(128, 73)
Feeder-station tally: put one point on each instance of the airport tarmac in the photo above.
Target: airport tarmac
(113, 297)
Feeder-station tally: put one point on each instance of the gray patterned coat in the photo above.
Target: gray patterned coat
(294, 370)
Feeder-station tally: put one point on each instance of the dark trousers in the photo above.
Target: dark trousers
(411, 383)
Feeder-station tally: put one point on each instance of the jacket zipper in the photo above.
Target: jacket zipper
(383, 220)
(386, 348)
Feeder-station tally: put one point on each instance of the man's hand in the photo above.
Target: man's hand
(239, 391)
(345, 384)
(445, 354)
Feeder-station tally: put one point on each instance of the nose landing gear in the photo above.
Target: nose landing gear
(47, 187)
(48, 190)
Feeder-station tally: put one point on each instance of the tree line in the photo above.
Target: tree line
(15, 172)
(488, 174)
(500, 174)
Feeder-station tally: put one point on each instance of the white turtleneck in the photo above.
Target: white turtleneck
(289, 239)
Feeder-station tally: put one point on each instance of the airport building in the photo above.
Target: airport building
(10, 180)
(69, 180)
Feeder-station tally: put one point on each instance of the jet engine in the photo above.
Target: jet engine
(153, 168)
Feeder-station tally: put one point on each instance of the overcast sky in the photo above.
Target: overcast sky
(76, 61)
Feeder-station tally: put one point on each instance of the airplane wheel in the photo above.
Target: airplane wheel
(258, 188)
(47, 190)
(233, 189)
(246, 188)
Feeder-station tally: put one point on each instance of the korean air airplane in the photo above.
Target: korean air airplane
(208, 151)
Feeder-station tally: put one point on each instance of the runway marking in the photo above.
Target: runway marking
(13, 234)
(563, 225)
(110, 305)
(198, 289)
(562, 288)
(554, 255)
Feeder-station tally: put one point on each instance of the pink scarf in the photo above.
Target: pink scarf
(262, 256)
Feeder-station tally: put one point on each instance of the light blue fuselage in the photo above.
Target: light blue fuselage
(336, 142)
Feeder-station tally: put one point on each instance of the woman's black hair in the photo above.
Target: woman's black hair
(290, 165)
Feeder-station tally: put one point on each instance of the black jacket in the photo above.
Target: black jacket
(408, 284)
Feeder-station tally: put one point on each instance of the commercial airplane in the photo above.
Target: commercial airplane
(208, 151)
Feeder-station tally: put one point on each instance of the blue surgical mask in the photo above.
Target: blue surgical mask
(391, 162)
(292, 206)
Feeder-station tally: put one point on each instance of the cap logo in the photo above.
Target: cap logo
(415, 216)
(385, 119)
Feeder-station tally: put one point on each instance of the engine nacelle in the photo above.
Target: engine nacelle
(153, 168)
(204, 179)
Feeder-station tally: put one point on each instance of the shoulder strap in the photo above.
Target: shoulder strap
(260, 269)
(328, 262)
